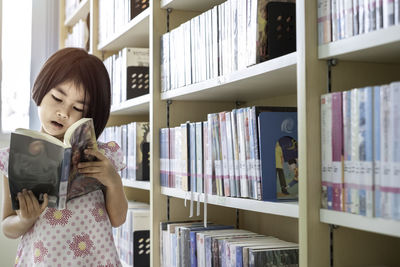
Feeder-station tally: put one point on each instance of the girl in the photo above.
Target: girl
(72, 84)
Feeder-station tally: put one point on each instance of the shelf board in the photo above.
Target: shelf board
(270, 78)
(133, 34)
(80, 13)
(145, 185)
(135, 106)
(288, 209)
(382, 46)
(190, 5)
(375, 225)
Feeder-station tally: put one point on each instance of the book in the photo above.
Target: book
(44, 164)
(278, 147)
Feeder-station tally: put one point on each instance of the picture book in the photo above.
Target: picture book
(278, 147)
(45, 164)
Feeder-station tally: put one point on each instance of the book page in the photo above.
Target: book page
(80, 136)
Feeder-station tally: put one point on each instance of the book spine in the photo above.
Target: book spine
(337, 150)
(377, 150)
(324, 21)
(394, 178)
(326, 150)
(355, 160)
(385, 142)
(346, 103)
(62, 201)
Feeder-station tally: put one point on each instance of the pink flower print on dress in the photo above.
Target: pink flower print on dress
(81, 246)
(99, 212)
(112, 146)
(19, 253)
(39, 252)
(109, 264)
(55, 216)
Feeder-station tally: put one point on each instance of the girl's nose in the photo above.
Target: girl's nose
(62, 115)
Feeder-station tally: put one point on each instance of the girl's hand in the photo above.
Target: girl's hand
(102, 169)
(29, 207)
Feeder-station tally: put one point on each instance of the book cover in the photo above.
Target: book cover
(278, 147)
(44, 164)
(274, 257)
(142, 151)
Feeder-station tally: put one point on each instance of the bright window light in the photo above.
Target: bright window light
(16, 61)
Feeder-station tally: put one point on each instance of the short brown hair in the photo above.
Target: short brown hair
(77, 66)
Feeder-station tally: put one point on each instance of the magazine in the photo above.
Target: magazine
(43, 164)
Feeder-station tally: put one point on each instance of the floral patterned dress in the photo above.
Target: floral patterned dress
(80, 235)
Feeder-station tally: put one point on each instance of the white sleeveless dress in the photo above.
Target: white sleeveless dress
(80, 235)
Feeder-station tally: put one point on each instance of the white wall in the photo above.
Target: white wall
(8, 247)
(44, 43)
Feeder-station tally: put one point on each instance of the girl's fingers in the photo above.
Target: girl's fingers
(22, 203)
(28, 200)
(90, 164)
(45, 203)
(35, 202)
(89, 170)
(95, 153)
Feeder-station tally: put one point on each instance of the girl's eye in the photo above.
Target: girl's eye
(56, 98)
(78, 109)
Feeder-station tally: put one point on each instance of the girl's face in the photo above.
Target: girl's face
(60, 108)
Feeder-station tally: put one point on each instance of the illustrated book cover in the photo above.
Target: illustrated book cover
(278, 147)
(44, 164)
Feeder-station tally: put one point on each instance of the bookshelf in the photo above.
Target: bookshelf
(297, 79)
(80, 13)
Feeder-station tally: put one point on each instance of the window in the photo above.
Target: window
(16, 62)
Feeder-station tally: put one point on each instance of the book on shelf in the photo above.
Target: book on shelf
(44, 164)
(279, 155)
(369, 125)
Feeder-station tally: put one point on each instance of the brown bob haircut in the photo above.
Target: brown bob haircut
(85, 70)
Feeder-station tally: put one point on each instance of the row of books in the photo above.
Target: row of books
(360, 141)
(71, 6)
(129, 73)
(248, 152)
(193, 244)
(340, 19)
(134, 140)
(79, 36)
(226, 38)
(115, 14)
(132, 238)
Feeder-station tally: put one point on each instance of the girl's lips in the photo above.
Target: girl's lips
(56, 124)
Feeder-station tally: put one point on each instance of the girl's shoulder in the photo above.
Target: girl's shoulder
(4, 155)
(114, 153)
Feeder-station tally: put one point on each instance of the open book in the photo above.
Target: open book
(44, 164)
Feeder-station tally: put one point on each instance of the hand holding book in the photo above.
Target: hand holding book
(101, 169)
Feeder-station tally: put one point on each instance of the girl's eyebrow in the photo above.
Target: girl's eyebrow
(65, 94)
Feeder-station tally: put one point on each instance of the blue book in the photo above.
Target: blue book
(278, 153)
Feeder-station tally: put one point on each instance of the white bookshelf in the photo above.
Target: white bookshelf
(381, 46)
(375, 225)
(133, 34)
(267, 79)
(190, 5)
(135, 106)
(145, 185)
(288, 209)
(81, 12)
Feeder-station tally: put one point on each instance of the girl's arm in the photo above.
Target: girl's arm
(16, 223)
(103, 170)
